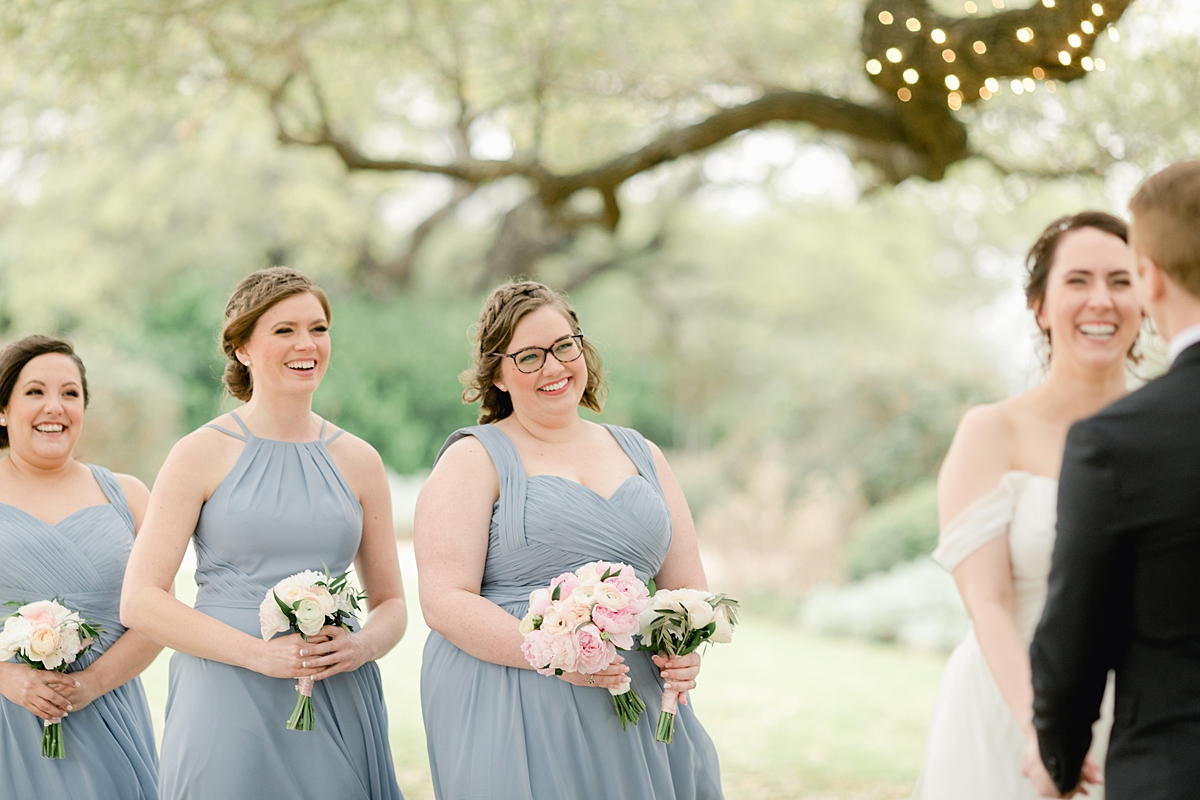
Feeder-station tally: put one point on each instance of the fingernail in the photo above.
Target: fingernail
(305, 665)
(662, 674)
(78, 684)
(666, 686)
(303, 652)
(70, 707)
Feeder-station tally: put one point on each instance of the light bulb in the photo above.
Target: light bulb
(885, 17)
(938, 35)
(894, 55)
(1087, 63)
(1025, 34)
(952, 82)
(1087, 27)
(948, 55)
(904, 94)
(1017, 87)
(1074, 40)
(911, 76)
(874, 67)
(992, 84)
(1098, 9)
(913, 24)
(979, 47)
(1064, 58)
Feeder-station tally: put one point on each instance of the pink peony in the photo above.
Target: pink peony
(623, 641)
(635, 592)
(568, 581)
(594, 653)
(538, 649)
(612, 622)
(566, 653)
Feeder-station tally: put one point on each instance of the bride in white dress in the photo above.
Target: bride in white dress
(997, 493)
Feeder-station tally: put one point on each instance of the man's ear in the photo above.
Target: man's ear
(1153, 276)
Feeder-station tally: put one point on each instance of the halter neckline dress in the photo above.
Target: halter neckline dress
(504, 732)
(80, 560)
(282, 509)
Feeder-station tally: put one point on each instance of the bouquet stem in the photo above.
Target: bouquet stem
(629, 707)
(302, 715)
(52, 741)
(666, 718)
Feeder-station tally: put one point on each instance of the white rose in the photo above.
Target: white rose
(588, 574)
(700, 613)
(327, 601)
(584, 594)
(290, 592)
(343, 600)
(554, 623)
(43, 645)
(610, 597)
(69, 644)
(526, 627)
(724, 632)
(309, 616)
(14, 636)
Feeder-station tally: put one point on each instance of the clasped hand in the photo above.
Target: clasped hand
(50, 695)
(330, 651)
(1035, 770)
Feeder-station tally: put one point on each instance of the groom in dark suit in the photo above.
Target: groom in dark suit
(1124, 588)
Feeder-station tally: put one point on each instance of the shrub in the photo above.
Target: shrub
(893, 532)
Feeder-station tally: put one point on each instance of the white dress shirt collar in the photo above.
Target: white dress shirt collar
(1182, 341)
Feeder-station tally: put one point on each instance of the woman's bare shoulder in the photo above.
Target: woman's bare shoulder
(980, 454)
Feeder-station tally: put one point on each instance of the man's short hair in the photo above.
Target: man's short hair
(1166, 222)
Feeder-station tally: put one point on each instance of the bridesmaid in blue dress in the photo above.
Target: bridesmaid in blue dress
(267, 491)
(65, 531)
(530, 493)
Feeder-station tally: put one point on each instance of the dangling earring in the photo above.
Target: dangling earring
(500, 386)
(3, 421)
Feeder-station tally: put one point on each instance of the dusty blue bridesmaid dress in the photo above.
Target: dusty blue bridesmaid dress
(282, 509)
(502, 732)
(109, 744)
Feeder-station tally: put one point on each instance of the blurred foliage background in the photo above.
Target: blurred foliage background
(801, 335)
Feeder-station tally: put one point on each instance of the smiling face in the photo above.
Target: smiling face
(289, 348)
(556, 388)
(1090, 308)
(45, 412)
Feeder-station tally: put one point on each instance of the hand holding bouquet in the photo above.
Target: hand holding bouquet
(677, 622)
(580, 622)
(47, 635)
(305, 603)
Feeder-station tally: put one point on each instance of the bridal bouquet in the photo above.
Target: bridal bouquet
(580, 622)
(677, 622)
(305, 603)
(47, 635)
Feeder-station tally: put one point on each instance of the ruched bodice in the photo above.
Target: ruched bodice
(282, 509)
(81, 561)
(975, 745)
(570, 524)
(489, 727)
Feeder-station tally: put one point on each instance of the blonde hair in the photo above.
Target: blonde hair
(1166, 222)
(503, 309)
(252, 298)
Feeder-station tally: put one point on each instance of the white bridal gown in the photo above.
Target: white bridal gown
(975, 746)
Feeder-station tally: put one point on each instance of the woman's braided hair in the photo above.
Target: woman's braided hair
(256, 293)
(504, 308)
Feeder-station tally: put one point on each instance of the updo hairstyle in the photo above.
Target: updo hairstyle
(503, 309)
(15, 356)
(256, 293)
(1040, 259)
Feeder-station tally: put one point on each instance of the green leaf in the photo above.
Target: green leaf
(652, 587)
(557, 591)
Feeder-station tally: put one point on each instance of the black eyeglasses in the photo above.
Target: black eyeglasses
(531, 359)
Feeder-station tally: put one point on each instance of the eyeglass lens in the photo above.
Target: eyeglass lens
(532, 359)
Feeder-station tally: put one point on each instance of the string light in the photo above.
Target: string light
(894, 55)
(1087, 63)
(938, 35)
(948, 56)
(1100, 64)
(985, 93)
(1098, 9)
(1051, 87)
(1039, 73)
(1064, 58)
(952, 82)
(1028, 84)
(911, 76)
(913, 24)
(904, 94)
(970, 7)
(954, 100)
(1112, 34)
(1017, 87)
(885, 17)
(1074, 40)
(979, 47)
(1025, 34)
(874, 67)
(1048, 3)
(992, 85)
(998, 3)
(1087, 27)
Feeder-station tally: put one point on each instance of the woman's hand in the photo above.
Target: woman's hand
(83, 688)
(609, 678)
(280, 657)
(679, 672)
(337, 651)
(44, 692)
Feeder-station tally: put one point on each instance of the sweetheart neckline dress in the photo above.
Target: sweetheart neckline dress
(80, 559)
(284, 507)
(975, 747)
(502, 732)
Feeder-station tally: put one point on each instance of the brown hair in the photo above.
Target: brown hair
(15, 356)
(256, 293)
(1040, 258)
(1166, 222)
(503, 309)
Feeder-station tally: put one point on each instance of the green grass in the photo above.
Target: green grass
(792, 715)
